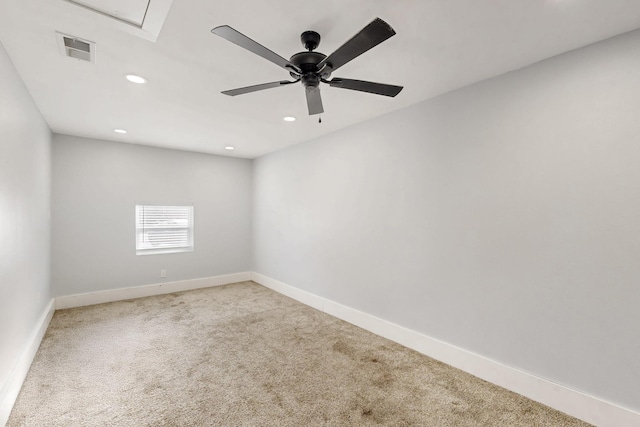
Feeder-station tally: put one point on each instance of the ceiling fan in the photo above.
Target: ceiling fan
(312, 68)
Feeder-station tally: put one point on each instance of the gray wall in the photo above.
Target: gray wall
(24, 216)
(96, 185)
(503, 218)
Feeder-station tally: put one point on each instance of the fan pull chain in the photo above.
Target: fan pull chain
(319, 119)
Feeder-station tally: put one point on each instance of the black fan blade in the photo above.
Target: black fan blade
(255, 88)
(314, 101)
(370, 36)
(364, 86)
(236, 37)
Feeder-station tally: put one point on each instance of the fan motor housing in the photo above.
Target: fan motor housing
(307, 61)
(308, 64)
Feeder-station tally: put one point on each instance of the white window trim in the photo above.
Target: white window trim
(189, 247)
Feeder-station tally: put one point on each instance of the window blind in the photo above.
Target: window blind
(163, 229)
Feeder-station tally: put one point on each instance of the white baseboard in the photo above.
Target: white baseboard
(99, 297)
(11, 389)
(577, 404)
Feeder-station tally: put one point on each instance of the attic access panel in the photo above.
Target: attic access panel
(131, 11)
(143, 18)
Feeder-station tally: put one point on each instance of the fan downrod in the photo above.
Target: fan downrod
(310, 40)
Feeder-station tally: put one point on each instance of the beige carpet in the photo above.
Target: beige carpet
(243, 355)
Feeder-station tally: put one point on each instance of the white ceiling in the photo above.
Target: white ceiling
(440, 45)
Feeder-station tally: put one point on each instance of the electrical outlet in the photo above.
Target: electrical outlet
(163, 273)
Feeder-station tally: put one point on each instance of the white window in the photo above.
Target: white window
(163, 229)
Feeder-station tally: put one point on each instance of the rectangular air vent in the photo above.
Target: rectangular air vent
(77, 48)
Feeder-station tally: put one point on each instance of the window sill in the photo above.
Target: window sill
(163, 251)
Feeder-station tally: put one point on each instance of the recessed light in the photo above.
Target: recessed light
(135, 79)
(229, 147)
(120, 131)
(289, 119)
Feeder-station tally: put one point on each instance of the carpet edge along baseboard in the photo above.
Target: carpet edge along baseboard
(120, 294)
(11, 388)
(588, 408)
